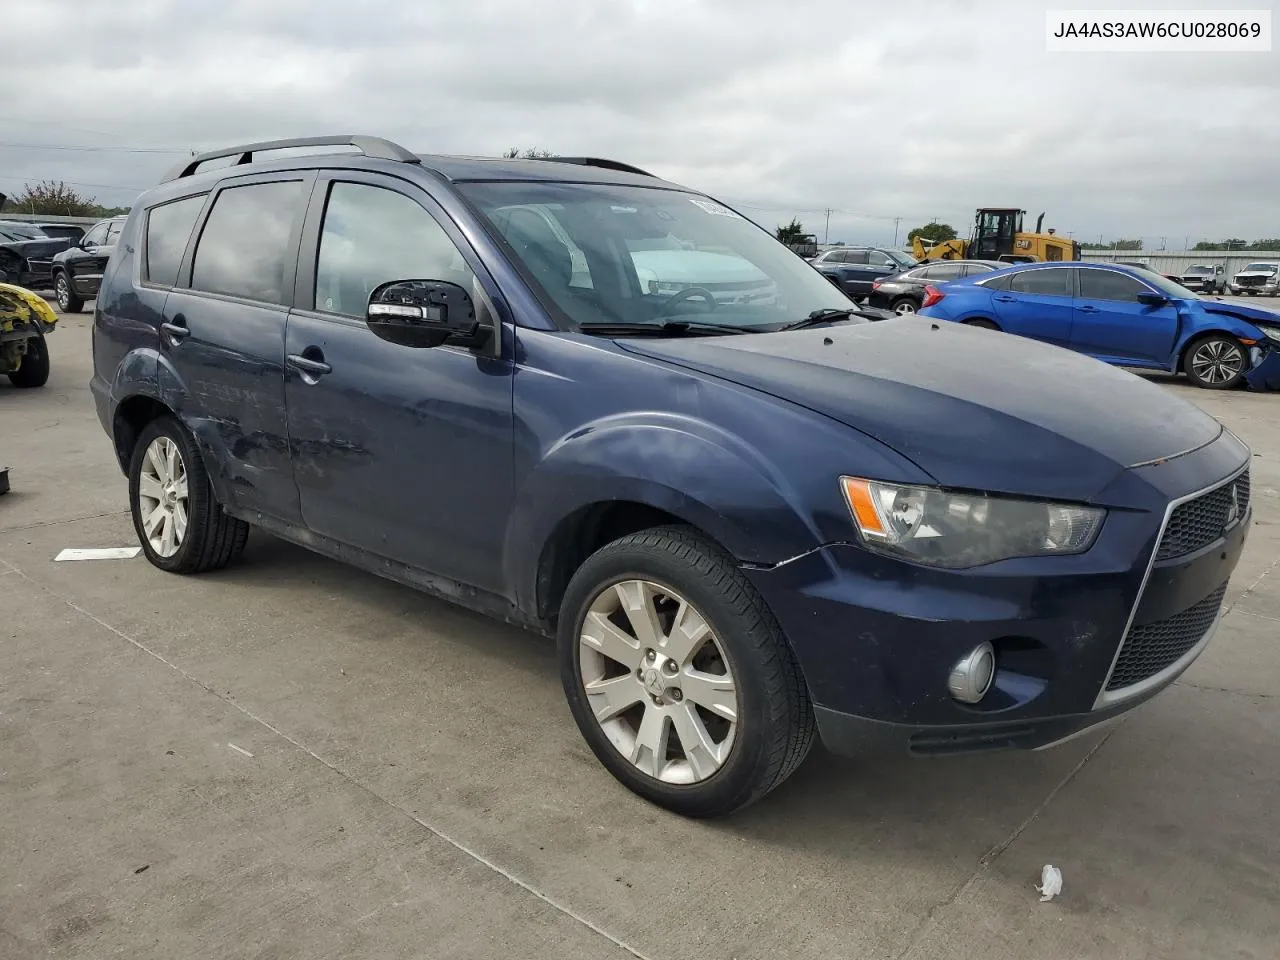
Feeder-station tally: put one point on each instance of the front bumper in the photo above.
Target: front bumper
(1264, 373)
(876, 638)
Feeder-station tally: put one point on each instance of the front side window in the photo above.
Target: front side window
(1045, 283)
(113, 232)
(372, 235)
(244, 247)
(1109, 285)
(168, 230)
(97, 236)
(878, 259)
(652, 255)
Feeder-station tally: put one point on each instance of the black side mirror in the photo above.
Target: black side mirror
(425, 313)
(1152, 299)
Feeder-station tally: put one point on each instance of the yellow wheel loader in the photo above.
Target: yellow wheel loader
(998, 235)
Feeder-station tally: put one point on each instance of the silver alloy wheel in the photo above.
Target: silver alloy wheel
(904, 307)
(62, 290)
(652, 667)
(162, 497)
(1217, 361)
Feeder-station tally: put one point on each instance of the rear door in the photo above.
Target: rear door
(223, 338)
(1038, 304)
(1108, 322)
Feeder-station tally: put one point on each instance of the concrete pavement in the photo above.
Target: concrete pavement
(291, 758)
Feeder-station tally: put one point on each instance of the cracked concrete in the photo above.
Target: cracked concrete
(293, 759)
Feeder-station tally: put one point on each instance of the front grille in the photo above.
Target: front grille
(1199, 522)
(1152, 647)
(1250, 281)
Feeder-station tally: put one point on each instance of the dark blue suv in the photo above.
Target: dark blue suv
(602, 406)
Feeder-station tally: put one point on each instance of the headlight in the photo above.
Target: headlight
(1271, 333)
(944, 529)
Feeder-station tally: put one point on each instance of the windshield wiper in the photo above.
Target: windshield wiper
(667, 328)
(817, 318)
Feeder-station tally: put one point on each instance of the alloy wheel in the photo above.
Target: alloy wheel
(163, 502)
(657, 681)
(63, 292)
(1217, 361)
(904, 307)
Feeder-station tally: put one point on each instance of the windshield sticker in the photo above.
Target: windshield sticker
(712, 207)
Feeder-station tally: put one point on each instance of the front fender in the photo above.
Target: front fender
(689, 468)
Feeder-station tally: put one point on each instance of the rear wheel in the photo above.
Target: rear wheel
(678, 675)
(34, 369)
(68, 302)
(981, 324)
(180, 525)
(903, 306)
(1216, 362)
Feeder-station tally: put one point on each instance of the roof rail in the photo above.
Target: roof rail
(600, 162)
(374, 147)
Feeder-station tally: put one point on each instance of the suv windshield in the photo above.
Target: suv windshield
(904, 260)
(24, 231)
(1260, 268)
(608, 254)
(1198, 270)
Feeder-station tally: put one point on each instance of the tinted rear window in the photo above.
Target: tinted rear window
(1048, 283)
(168, 230)
(244, 246)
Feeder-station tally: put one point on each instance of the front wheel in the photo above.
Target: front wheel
(33, 371)
(181, 526)
(981, 324)
(1216, 362)
(678, 675)
(68, 302)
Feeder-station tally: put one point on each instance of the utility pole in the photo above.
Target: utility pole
(826, 234)
(896, 221)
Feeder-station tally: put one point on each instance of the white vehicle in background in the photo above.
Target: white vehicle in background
(727, 278)
(1262, 277)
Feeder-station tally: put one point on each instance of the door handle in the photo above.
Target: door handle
(1006, 299)
(177, 329)
(314, 367)
(1087, 309)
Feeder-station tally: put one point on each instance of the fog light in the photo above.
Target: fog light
(972, 675)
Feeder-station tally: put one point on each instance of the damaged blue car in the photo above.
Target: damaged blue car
(1124, 316)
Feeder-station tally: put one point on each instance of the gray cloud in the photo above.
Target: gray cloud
(910, 110)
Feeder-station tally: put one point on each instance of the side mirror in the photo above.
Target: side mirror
(1152, 299)
(424, 313)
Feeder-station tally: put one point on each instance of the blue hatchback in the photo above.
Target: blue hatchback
(608, 408)
(1125, 316)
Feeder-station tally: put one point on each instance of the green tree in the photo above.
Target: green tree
(55, 198)
(793, 232)
(531, 154)
(933, 232)
(1269, 244)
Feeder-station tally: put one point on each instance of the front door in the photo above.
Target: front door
(1110, 323)
(401, 451)
(1037, 303)
(223, 338)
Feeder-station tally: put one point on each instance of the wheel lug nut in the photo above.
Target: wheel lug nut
(651, 656)
(677, 695)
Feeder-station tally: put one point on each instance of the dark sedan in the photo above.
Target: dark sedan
(77, 271)
(26, 253)
(905, 292)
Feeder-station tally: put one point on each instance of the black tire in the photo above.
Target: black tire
(34, 369)
(213, 539)
(68, 302)
(981, 324)
(904, 306)
(775, 717)
(1203, 377)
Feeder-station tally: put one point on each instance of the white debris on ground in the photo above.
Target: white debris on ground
(1050, 883)
(94, 553)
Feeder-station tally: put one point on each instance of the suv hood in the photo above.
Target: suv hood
(973, 408)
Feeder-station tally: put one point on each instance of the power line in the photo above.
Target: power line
(64, 146)
(74, 183)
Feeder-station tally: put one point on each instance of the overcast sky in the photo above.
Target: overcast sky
(875, 109)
